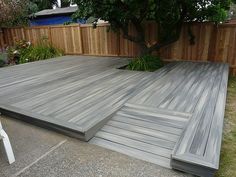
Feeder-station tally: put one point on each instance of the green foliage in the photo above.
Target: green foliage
(169, 16)
(65, 3)
(15, 51)
(2, 62)
(221, 13)
(15, 13)
(68, 23)
(43, 50)
(43, 4)
(23, 51)
(38, 5)
(145, 63)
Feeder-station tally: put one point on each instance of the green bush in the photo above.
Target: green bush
(43, 50)
(145, 63)
(2, 62)
(15, 51)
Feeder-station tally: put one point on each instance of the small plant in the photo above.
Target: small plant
(2, 62)
(15, 51)
(41, 51)
(23, 51)
(145, 63)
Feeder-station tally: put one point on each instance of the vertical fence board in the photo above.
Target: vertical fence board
(2, 41)
(212, 43)
(99, 41)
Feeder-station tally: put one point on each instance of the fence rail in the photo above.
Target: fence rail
(212, 43)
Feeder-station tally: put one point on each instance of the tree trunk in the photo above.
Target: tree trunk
(139, 39)
(144, 50)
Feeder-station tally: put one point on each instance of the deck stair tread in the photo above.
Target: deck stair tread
(156, 159)
(142, 131)
(150, 125)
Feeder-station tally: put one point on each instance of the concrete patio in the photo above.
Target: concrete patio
(40, 152)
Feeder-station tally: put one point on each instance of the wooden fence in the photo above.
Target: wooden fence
(2, 42)
(213, 43)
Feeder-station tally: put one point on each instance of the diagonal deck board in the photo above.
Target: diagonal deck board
(179, 107)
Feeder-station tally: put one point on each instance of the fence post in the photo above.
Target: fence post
(1, 40)
(81, 39)
(5, 41)
(118, 43)
(25, 35)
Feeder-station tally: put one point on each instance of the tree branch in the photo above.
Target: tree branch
(140, 38)
(125, 30)
(157, 45)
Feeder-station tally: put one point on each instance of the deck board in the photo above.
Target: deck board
(153, 135)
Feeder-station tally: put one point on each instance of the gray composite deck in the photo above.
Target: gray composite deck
(172, 117)
(176, 121)
(78, 93)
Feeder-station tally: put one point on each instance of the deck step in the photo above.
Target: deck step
(142, 132)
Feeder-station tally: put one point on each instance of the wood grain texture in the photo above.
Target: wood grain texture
(172, 117)
(2, 41)
(142, 131)
(55, 88)
(212, 43)
(185, 107)
(200, 143)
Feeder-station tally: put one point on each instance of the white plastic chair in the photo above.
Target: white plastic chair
(7, 145)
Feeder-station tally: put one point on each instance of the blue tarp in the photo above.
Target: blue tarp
(53, 20)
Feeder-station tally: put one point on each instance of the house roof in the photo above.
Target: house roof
(231, 21)
(57, 11)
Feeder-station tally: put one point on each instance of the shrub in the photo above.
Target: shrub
(15, 51)
(2, 62)
(43, 50)
(145, 63)
(23, 51)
